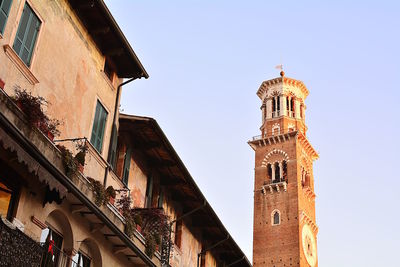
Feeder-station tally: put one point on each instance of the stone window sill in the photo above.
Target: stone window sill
(20, 64)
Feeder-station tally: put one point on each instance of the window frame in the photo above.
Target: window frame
(37, 35)
(149, 192)
(275, 211)
(15, 188)
(6, 14)
(178, 233)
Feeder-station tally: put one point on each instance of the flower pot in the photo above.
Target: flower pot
(50, 135)
(81, 168)
(138, 228)
(112, 200)
(19, 105)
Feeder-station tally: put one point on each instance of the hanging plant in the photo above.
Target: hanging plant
(101, 195)
(32, 106)
(124, 205)
(150, 245)
(69, 162)
(153, 222)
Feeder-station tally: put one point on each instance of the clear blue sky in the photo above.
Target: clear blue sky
(206, 60)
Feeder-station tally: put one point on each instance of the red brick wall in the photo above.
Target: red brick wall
(280, 245)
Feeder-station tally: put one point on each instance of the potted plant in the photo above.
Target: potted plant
(101, 195)
(81, 155)
(111, 194)
(32, 106)
(69, 162)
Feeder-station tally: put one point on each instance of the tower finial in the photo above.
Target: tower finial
(280, 67)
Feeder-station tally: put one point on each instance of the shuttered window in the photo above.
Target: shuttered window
(25, 39)
(149, 192)
(4, 9)
(99, 124)
(127, 165)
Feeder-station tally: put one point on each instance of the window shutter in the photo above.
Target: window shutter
(25, 39)
(99, 123)
(112, 151)
(4, 9)
(127, 165)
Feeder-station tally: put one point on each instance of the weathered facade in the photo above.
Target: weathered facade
(284, 200)
(73, 54)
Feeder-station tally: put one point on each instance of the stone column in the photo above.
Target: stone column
(280, 171)
(297, 108)
(273, 172)
(283, 105)
(269, 108)
(282, 99)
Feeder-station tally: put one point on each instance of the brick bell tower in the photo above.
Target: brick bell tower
(285, 232)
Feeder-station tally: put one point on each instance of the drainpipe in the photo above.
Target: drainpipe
(209, 248)
(180, 218)
(114, 128)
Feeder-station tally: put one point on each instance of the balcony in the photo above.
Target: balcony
(274, 187)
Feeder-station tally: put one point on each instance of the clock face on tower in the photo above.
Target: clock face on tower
(309, 245)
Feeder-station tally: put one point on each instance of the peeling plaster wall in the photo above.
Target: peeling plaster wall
(70, 79)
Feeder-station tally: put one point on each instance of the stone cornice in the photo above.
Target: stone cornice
(270, 140)
(286, 81)
(308, 220)
(307, 146)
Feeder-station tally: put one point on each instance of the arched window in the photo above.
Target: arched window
(273, 105)
(52, 242)
(276, 217)
(278, 104)
(287, 103)
(292, 104)
(284, 167)
(277, 174)
(301, 110)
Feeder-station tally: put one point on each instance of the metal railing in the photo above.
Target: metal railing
(284, 131)
(56, 257)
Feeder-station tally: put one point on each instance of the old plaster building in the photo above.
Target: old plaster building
(102, 188)
(285, 231)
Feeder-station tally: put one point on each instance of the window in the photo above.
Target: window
(178, 233)
(4, 9)
(301, 110)
(52, 244)
(284, 167)
(276, 217)
(25, 39)
(109, 69)
(8, 198)
(81, 260)
(278, 104)
(160, 198)
(127, 165)
(99, 124)
(149, 192)
(277, 177)
(287, 103)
